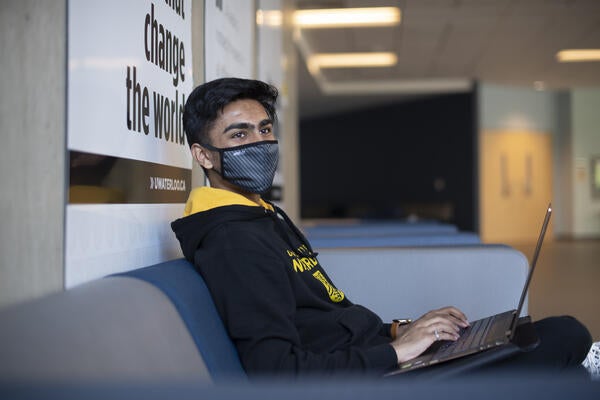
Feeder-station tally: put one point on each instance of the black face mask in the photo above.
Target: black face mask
(251, 166)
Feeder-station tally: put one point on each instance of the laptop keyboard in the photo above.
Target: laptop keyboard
(476, 336)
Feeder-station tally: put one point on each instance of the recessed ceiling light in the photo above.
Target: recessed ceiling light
(347, 17)
(351, 60)
(577, 55)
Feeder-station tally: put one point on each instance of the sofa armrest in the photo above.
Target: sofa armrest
(116, 329)
(407, 282)
(180, 282)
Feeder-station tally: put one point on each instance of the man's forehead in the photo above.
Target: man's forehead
(242, 106)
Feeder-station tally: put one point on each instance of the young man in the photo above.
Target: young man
(280, 318)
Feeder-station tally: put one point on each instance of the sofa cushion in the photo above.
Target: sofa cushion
(109, 330)
(407, 282)
(185, 287)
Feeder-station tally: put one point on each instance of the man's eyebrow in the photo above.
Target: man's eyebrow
(265, 122)
(247, 125)
(239, 125)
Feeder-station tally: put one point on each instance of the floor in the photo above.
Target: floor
(566, 281)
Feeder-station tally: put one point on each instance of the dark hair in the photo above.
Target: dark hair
(207, 100)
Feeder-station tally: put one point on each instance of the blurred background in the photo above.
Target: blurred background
(475, 113)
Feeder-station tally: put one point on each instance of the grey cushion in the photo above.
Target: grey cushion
(184, 286)
(113, 329)
(406, 282)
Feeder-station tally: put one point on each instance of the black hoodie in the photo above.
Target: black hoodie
(280, 308)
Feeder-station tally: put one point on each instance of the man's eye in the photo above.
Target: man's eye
(238, 135)
(265, 131)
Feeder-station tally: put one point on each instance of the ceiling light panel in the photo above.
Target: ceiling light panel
(578, 55)
(347, 17)
(351, 60)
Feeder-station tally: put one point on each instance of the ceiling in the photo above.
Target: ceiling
(445, 45)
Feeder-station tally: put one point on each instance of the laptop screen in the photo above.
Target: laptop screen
(536, 254)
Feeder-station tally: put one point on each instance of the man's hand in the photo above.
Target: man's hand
(413, 339)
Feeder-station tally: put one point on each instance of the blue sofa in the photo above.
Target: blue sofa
(158, 324)
(387, 234)
(376, 229)
(412, 240)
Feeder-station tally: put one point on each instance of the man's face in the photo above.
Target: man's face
(241, 122)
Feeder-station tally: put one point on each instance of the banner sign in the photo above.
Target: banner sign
(129, 75)
(105, 179)
(229, 39)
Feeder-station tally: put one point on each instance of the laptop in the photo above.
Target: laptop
(488, 339)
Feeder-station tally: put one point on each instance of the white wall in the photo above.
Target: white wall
(516, 108)
(563, 175)
(33, 133)
(289, 97)
(573, 119)
(33, 150)
(585, 112)
(520, 124)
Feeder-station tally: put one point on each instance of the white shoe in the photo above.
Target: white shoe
(592, 361)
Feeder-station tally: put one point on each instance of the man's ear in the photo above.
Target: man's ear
(202, 156)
